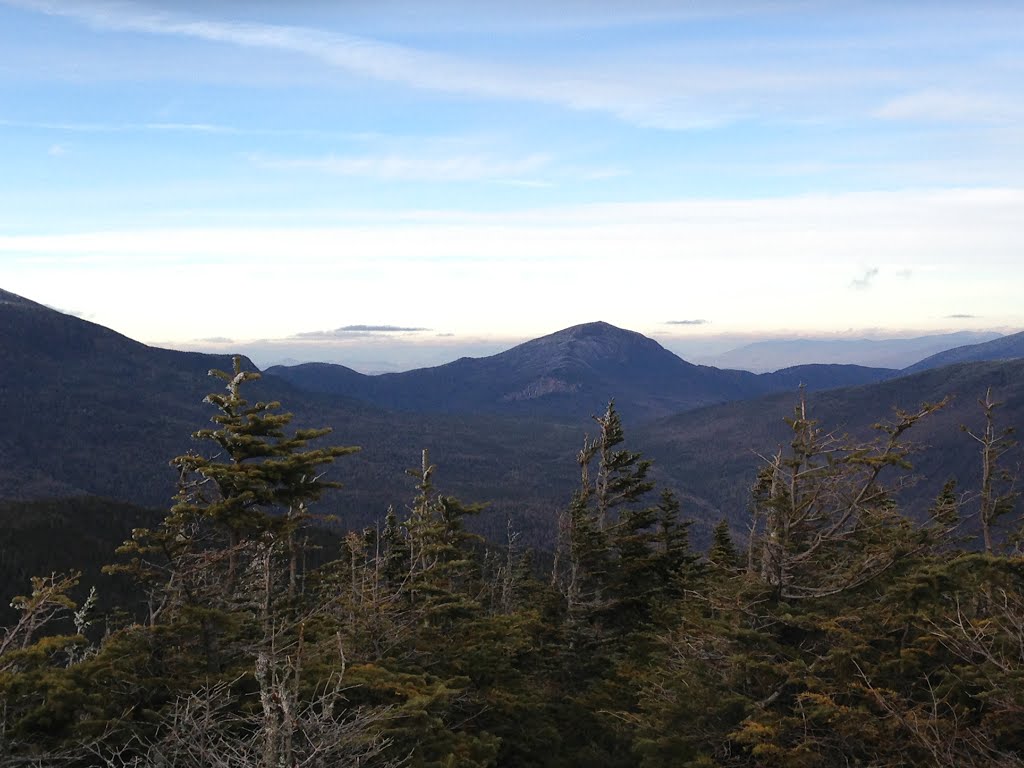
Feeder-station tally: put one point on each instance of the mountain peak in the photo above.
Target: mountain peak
(598, 328)
(589, 343)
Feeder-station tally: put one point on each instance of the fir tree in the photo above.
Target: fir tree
(723, 554)
(824, 514)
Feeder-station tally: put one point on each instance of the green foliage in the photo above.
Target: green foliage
(824, 514)
(723, 554)
(840, 633)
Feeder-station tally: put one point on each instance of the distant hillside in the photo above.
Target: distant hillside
(1004, 348)
(63, 535)
(712, 453)
(568, 376)
(89, 412)
(882, 353)
(823, 376)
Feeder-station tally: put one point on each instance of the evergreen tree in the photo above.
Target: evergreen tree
(824, 518)
(443, 569)
(723, 554)
(601, 515)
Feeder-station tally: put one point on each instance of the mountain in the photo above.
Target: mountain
(6, 297)
(885, 353)
(1004, 348)
(711, 455)
(83, 404)
(823, 376)
(90, 412)
(567, 376)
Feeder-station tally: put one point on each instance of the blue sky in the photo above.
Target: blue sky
(258, 170)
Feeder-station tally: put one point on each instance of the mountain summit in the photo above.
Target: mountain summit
(589, 342)
(567, 375)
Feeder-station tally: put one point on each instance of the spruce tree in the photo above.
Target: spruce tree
(825, 517)
(723, 554)
(228, 553)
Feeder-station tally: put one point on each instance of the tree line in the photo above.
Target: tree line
(836, 632)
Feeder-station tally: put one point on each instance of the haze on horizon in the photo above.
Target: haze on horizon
(430, 180)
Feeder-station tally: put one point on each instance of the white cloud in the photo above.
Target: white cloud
(119, 127)
(771, 263)
(57, 150)
(866, 280)
(945, 105)
(413, 168)
(670, 88)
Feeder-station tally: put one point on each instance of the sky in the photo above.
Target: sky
(396, 183)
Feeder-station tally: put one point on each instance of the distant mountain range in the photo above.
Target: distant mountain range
(1004, 348)
(714, 451)
(91, 412)
(88, 411)
(567, 376)
(773, 354)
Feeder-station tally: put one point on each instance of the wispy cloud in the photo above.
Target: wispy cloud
(963, 317)
(865, 281)
(947, 105)
(119, 127)
(365, 56)
(57, 150)
(755, 247)
(409, 168)
(687, 322)
(347, 331)
(671, 90)
(379, 328)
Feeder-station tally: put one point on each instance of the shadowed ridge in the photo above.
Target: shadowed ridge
(91, 411)
(567, 375)
(1004, 348)
(6, 297)
(31, 333)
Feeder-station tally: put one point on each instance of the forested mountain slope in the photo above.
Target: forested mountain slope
(89, 411)
(716, 452)
(844, 633)
(567, 376)
(93, 412)
(1004, 348)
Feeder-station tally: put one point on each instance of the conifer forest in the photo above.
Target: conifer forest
(252, 631)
